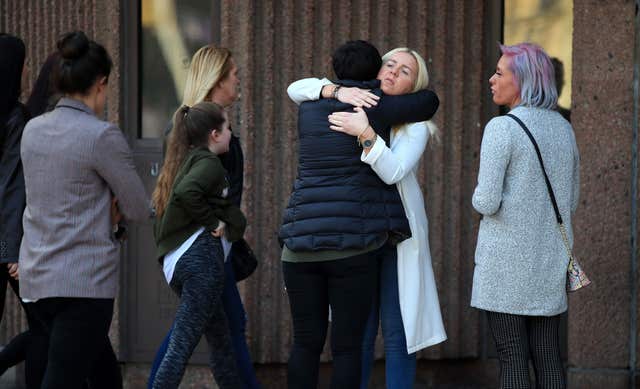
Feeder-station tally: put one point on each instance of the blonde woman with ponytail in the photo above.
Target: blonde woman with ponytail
(408, 305)
(213, 77)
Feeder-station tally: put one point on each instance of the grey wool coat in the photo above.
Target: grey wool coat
(73, 164)
(520, 261)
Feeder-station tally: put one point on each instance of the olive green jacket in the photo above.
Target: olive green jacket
(197, 200)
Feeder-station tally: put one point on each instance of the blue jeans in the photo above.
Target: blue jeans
(237, 319)
(400, 367)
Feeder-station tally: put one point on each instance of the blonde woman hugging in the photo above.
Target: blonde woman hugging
(407, 303)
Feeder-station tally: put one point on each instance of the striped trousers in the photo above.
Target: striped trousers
(520, 338)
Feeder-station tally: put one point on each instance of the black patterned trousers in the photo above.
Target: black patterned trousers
(520, 338)
(198, 280)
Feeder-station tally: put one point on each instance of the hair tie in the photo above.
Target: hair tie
(186, 110)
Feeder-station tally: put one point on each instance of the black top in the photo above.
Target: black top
(12, 192)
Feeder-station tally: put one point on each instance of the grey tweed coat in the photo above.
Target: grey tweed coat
(520, 260)
(73, 164)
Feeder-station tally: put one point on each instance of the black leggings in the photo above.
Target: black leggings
(16, 351)
(520, 337)
(26, 346)
(348, 285)
(198, 280)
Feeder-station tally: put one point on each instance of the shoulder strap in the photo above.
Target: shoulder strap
(546, 178)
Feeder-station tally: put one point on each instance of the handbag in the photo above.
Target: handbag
(576, 277)
(243, 260)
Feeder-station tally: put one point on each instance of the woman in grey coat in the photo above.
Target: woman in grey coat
(521, 262)
(74, 164)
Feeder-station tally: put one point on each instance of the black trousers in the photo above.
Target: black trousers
(79, 349)
(5, 279)
(348, 285)
(24, 347)
(14, 352)
(519, 338)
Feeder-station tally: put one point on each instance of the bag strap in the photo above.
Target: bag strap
(563, 231)
(544, 171)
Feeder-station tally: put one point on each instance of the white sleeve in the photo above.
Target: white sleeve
(392, 165)
(306, 89)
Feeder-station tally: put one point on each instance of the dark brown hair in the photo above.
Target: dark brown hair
(82, 62)
(191, 129)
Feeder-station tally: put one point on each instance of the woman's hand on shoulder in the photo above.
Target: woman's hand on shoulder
(352, 123)
(357, 97)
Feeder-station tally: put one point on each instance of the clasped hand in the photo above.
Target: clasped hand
(357, 97)
(352, 123)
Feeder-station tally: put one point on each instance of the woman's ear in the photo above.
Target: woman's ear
(102, 84)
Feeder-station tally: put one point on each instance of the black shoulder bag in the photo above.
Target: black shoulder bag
(243, 260)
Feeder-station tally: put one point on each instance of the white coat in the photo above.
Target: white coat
(417, 291)
(418, 295)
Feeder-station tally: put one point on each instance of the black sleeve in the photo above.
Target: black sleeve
(233, 162)
(410, 108)
(12, 189)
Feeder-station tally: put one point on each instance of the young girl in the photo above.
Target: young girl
(192, 215)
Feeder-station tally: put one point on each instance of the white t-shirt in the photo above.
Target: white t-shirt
(172, 257)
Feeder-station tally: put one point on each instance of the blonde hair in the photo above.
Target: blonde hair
(209, 66)
(421, 82)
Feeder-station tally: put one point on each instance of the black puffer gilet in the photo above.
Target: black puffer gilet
(338, 202)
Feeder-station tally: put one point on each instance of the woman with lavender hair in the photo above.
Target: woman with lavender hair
(521, 261)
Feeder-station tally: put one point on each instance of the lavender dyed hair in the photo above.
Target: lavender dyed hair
(533, 73)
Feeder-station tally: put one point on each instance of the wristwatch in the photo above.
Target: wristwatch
(368, 143)
(334, 95)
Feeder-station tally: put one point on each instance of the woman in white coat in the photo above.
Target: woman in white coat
(408, 304)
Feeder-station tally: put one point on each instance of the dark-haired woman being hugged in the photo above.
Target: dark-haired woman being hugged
(193, 213)
(74, 163)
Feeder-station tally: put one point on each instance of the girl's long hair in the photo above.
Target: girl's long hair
(191, 129)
